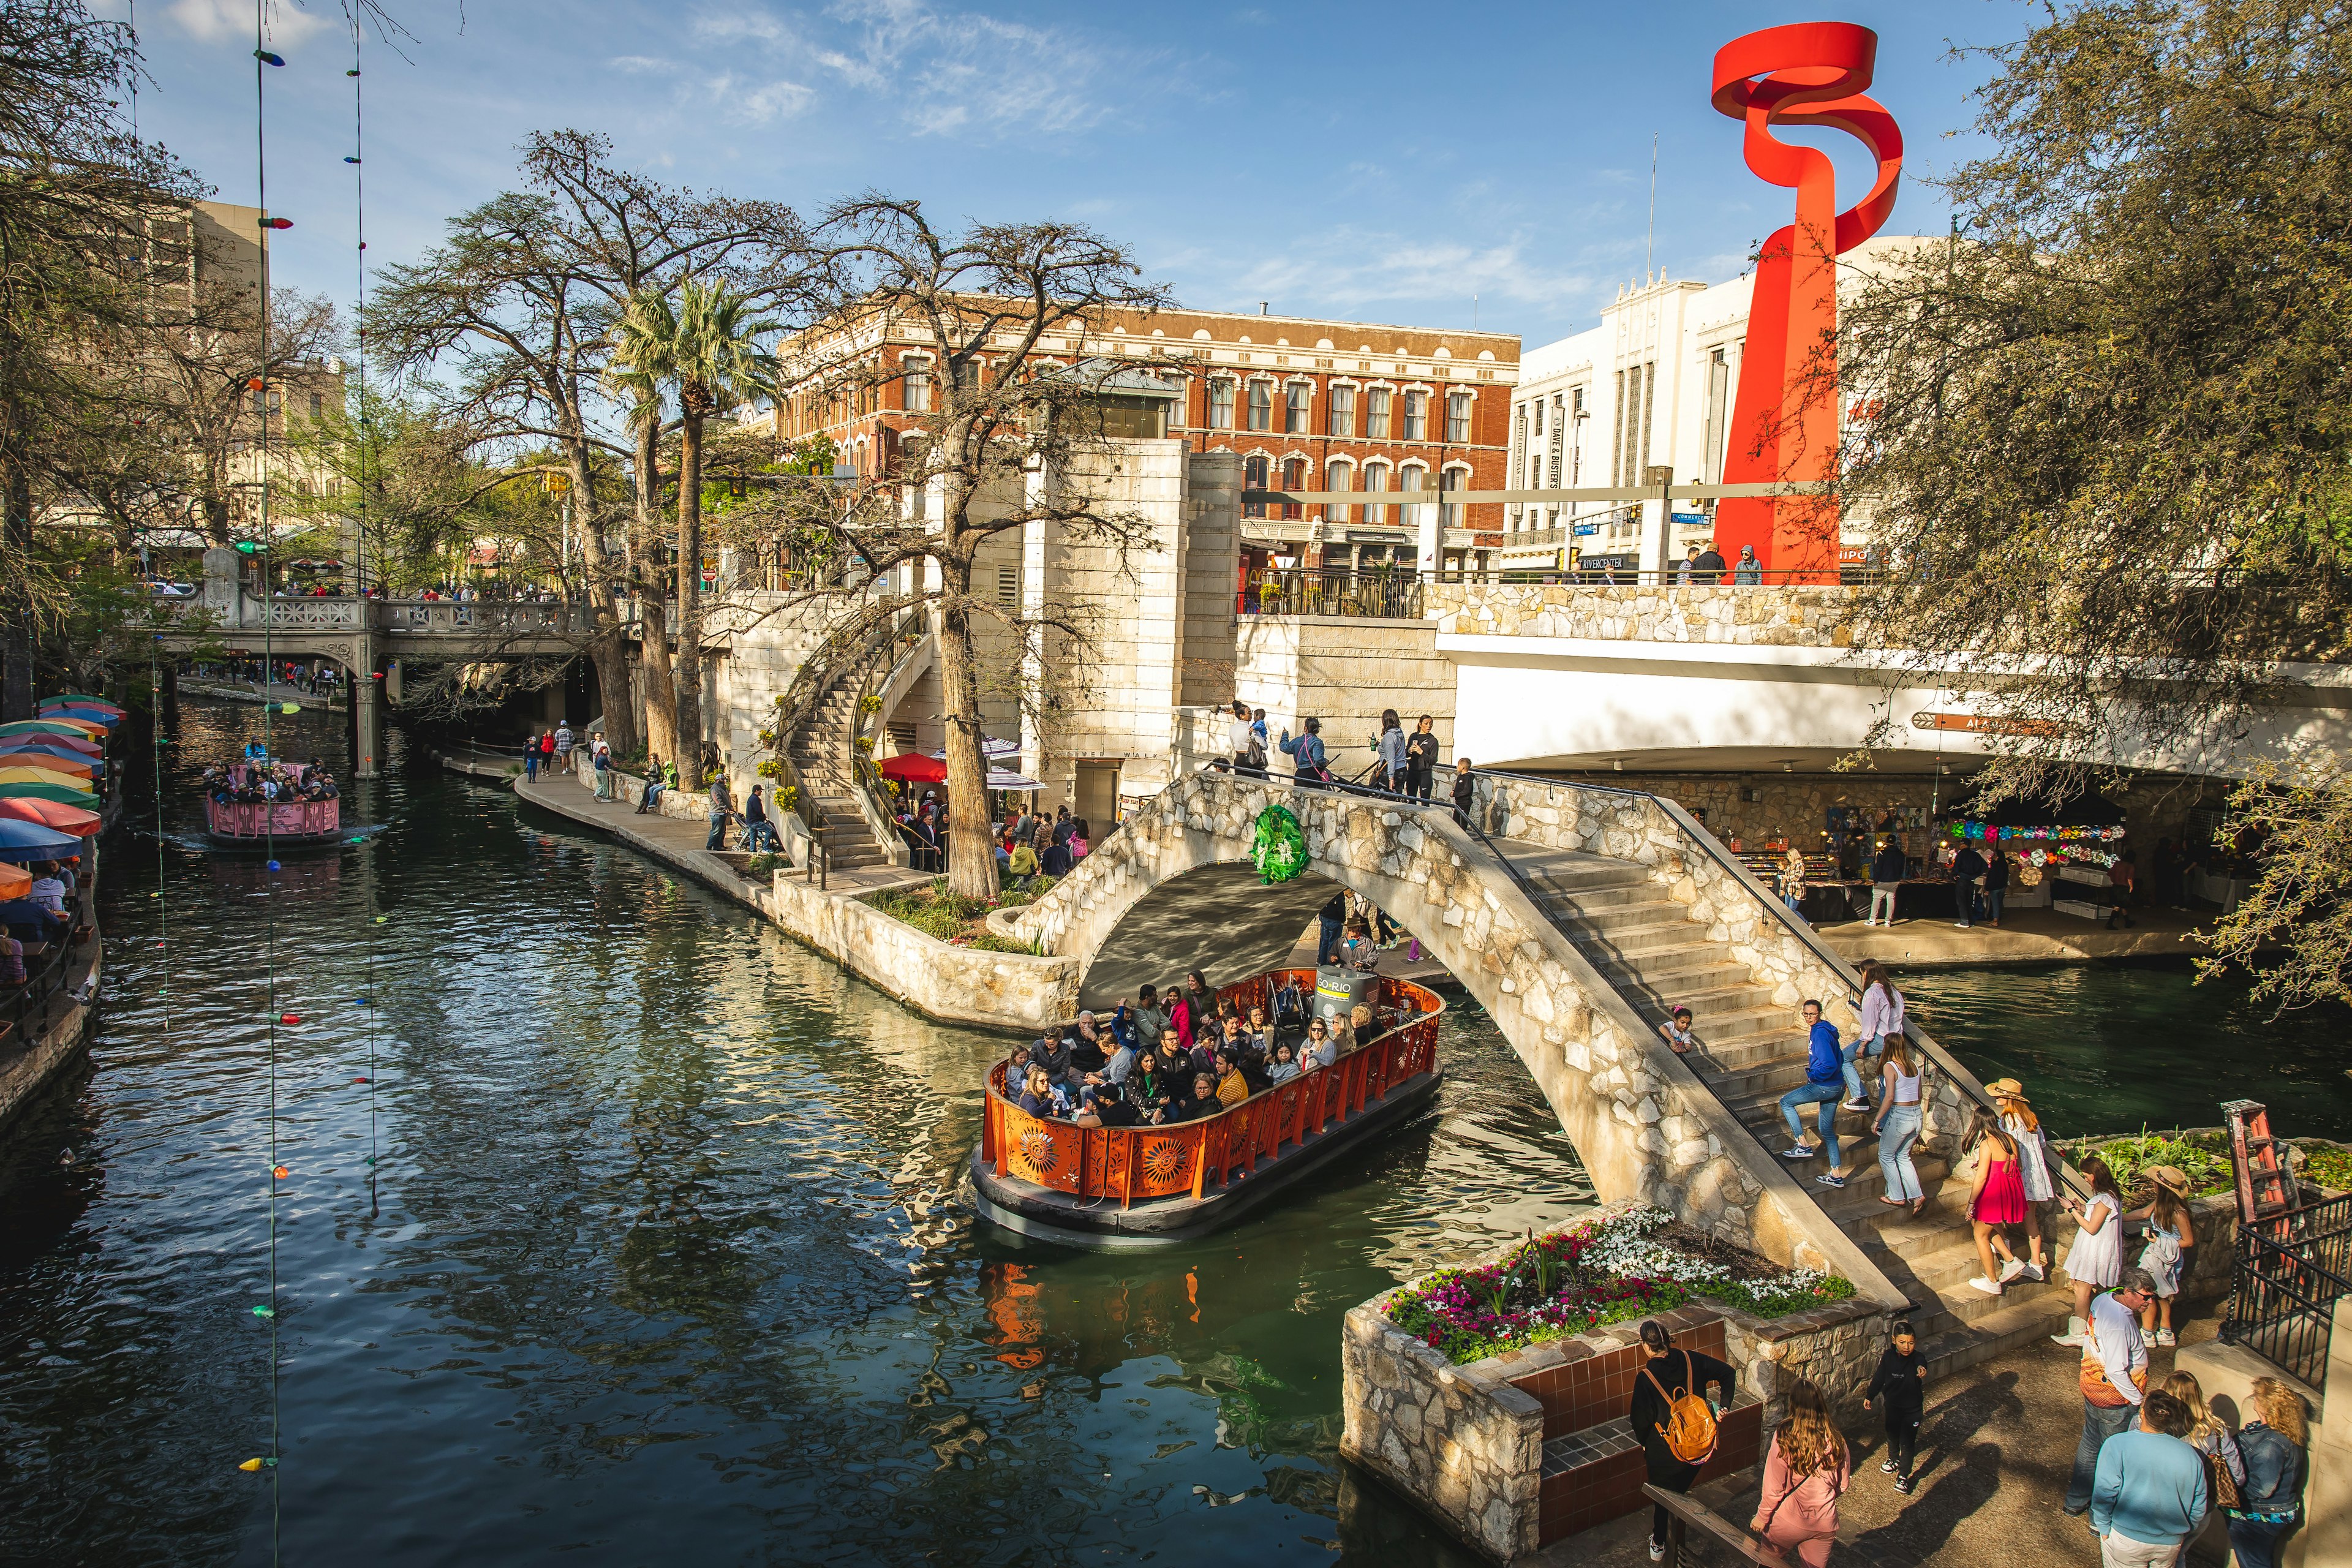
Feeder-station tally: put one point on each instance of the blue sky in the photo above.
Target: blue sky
(1376, 161)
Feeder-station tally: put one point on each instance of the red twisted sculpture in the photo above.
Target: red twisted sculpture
(1785, 423)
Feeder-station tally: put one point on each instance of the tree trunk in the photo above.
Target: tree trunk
(608, 653)
(15, 594)
(972, 839)
(688, 677)
(660, 703)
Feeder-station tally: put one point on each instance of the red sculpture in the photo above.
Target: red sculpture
(1784, 425)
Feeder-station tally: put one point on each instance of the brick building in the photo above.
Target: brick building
(1307, 405)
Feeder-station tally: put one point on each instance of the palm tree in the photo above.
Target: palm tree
(708, 353)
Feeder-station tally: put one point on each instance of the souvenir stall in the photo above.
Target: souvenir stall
(2056, 865)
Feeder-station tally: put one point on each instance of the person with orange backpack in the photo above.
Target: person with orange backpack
(1673, 1421)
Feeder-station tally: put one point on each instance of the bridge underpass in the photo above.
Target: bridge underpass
(1576, 922)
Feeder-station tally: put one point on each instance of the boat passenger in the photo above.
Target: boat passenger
(1284, 1068)
(1290, 1006)
(1232, 1087)
(1321, 1050)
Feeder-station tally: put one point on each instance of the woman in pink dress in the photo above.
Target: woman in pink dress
(1805, 1476)
(1996, 1199)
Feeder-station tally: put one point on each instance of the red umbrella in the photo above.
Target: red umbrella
(907, 767)
(54, 814)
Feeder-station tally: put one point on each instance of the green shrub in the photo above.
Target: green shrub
(2203, 1158)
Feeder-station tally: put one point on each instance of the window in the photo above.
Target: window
(1261, 405)
(917, 385)
(1409, 479)
(1458, 416)
(1448, 514)
(1176, 405)
(1540, 415)
(318, 406)
(1294, 477)
(1008, 586)
(1576, 454)
(1375, 414)
(1376, 478)
(1340, 477)
(1343, 413)
(1299, 399)
(1416, 416)
(967, 376)
(1254, 479)
(1221, 405)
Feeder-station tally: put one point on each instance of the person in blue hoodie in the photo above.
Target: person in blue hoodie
(1825, 1084)
(1307, 753)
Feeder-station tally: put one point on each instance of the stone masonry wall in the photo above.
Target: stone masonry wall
(1646, 1127)
(1758, 616)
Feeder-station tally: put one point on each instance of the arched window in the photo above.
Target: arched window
(1261, 405)
(1376, 478)
(1340, 476)
(1375, 414)
(1457, 417)
(1294, 477)
(1416, 416)
(1254, 479)
(917, 386)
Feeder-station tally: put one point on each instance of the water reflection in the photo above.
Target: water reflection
(660, 1244)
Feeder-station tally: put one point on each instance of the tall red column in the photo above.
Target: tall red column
(1784, 426)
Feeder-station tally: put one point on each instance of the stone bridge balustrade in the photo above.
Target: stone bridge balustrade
(1644, 1124)
(1765, 616)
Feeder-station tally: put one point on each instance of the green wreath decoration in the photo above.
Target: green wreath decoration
(1280, 852)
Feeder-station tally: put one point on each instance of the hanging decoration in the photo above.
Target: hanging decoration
(1990, 830)
(1279, 852)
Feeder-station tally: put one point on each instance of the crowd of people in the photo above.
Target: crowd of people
(1183, 1054)
(260, 779)
(39, 920)
(1404, 765)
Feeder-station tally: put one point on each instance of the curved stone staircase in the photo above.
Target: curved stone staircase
(822, 755)
(1752, 1050)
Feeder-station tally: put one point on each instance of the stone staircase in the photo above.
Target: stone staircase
(821, 754)
(1751, 1051)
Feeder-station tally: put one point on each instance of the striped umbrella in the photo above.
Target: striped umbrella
(72, 767)
(81, 727)
(76, 744)
(91, 704)
(51, 791)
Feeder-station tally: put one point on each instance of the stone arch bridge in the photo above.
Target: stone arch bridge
(1576, 922)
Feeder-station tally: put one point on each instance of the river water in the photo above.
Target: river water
(617, 1226)
(659, 1249)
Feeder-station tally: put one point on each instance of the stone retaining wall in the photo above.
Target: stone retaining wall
(1759, 616)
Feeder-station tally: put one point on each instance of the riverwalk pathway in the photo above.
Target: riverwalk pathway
(277, 691)
(2023, 936)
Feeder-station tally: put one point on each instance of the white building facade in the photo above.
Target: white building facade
(1653, 385)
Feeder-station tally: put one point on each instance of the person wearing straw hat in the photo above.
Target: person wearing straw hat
(2170, 1238)
(2017, 1118)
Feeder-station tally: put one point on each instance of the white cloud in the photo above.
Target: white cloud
(644, 65)
(232, 20)
(944, 71)
(762, 105)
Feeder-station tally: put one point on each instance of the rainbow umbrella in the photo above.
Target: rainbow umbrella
(84, 715)
(49, 790)
(72, 767)
(106, 711)
(31, 841)
(14, 772)
(50, 814)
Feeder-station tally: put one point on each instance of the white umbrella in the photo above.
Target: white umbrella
(1012, 782)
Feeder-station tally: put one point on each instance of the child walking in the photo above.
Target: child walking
(1900, 1388)
(2096, 1261)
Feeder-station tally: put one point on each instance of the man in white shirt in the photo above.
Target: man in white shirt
(2114, 1379)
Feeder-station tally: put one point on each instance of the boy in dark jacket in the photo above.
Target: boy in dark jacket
(1900, 1387)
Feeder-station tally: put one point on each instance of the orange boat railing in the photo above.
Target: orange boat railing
(1191, 1157)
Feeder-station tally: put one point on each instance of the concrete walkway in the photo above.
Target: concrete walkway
(1995, 1453)
(2024, 936)
(246, 691)
(679, 841)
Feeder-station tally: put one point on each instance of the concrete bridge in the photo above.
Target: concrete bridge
(1576, 915)
(370, 639)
